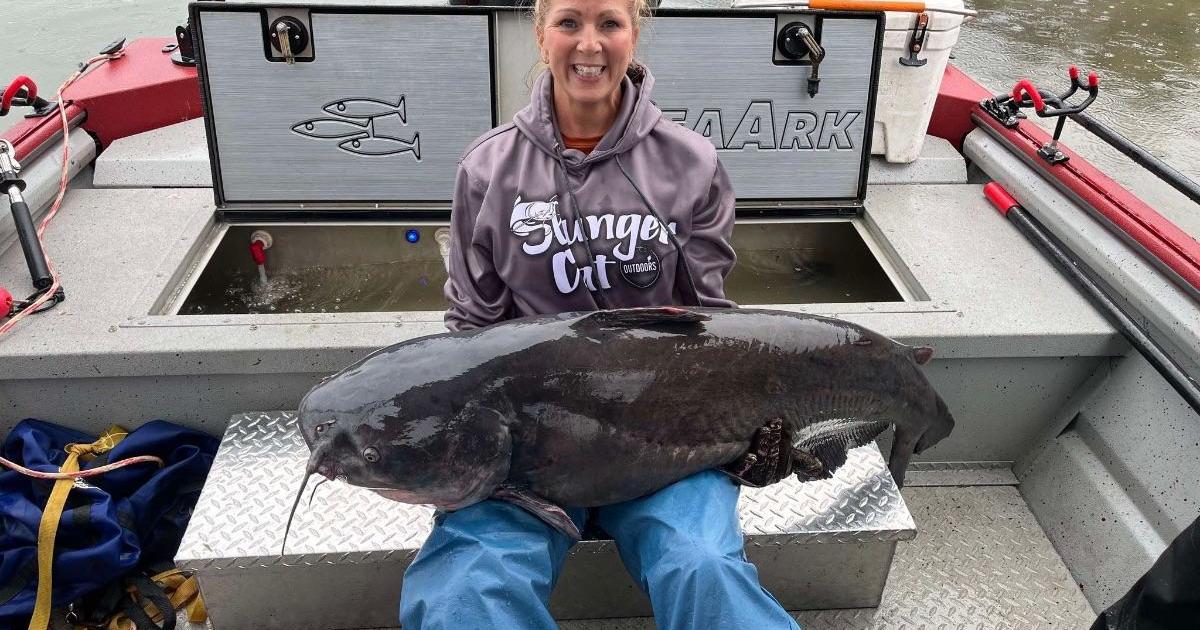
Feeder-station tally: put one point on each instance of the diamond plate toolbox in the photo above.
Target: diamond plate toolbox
(817, 545)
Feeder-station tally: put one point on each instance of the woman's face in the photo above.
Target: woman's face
(588, 44)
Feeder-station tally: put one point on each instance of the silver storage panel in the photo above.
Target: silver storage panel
(818, 545)
(717, 76)
(381, 113)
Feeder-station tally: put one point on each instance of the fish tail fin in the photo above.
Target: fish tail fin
(415, 146)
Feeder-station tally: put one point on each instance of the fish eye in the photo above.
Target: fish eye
(371, 454)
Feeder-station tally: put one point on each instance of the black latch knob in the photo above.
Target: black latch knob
(795, 41)
(289, 37)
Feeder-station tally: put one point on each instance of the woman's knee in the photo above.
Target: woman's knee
(482, 568)
(693, 561)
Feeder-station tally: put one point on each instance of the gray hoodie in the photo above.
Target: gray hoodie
(525, 211)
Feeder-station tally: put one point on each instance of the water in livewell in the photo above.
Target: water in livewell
(385, 286)
(762, 276)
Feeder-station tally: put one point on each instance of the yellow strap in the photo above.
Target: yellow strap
(183, 592)
(48, 528)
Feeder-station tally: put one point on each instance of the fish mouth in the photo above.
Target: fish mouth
(332, 473)
(471, 495)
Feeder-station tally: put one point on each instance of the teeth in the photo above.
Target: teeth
(589, 71)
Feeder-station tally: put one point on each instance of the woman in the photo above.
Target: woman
(584, 202)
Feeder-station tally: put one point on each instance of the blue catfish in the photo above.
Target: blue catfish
(589, 409)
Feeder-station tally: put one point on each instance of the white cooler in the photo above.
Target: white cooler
(907, 92)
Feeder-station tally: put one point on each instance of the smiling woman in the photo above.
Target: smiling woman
(589, 199)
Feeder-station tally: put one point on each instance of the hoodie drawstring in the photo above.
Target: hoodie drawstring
(601, 301)
(687, 269)
(596, 294)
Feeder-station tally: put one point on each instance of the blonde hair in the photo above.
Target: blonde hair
(639, 9)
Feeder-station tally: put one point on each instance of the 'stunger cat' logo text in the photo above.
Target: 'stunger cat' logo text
(543, 231)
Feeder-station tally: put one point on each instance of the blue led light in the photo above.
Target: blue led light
(412, 236)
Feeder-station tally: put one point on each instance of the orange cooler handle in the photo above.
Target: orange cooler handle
(867, 5)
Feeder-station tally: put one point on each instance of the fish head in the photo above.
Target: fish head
(529, 217)
(340, 107)
(343, 433)
(416, 446)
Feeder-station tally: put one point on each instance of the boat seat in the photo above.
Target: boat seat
(818, 545)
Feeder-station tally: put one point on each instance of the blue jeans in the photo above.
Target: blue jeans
(493, 564)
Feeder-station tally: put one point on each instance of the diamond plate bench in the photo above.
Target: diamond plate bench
(818, 545)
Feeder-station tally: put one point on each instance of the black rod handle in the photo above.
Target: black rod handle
(1187, 387)
(1144, 158)
(35, 258)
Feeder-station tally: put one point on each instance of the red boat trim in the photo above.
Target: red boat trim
(958, 96)
(1159, 237)
(141, 91)
(957, 112)
(32, 136)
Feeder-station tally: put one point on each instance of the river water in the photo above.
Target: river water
(1147, 54)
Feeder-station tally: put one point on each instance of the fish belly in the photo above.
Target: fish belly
(581, 461)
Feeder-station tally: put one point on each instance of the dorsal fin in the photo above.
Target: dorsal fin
(635, 317)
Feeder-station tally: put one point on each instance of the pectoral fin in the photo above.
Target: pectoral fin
(540, 507)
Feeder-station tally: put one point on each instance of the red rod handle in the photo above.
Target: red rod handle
(10, 92)
(999, 197)
(1026, 86)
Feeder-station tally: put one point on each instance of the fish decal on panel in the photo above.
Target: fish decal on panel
(383, 145)
(330, 128)
(366, 108)
(364, 126)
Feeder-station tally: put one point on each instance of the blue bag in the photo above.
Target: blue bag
(112, 524)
